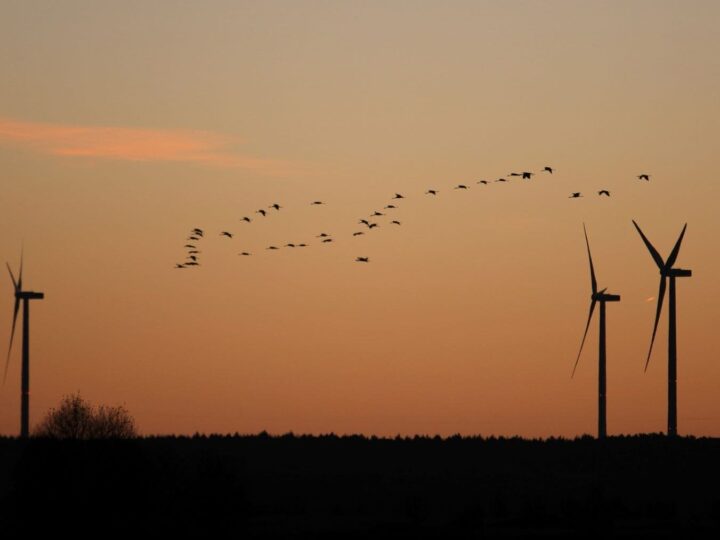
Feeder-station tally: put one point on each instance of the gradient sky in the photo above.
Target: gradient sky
(124, 125)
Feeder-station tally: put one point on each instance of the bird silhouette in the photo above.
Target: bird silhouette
(189, 246)
(261, 212)
(358, 233)
(376, 213)
(322, 235)
(316, 202)
(431, 192)
(501, 180)
(272, 247)
(482, 182)
(398, 196)
(302, 245)
(515, 174)
(365, 222)
(225, 233)
(644, 177)
(362, 259)
(371, 225)
(192, 257)
(193, 238)
(290, 245)
(197, 231)
(396, 222)
(461, 186)
(575, 195)
(244, 254)
(179, 265)
(327, 240)
(276, 206)
(548, 169)
(193, 252)
(246, 219)
(390, 207)
(604, 192)
(192, 263)
(527, 175)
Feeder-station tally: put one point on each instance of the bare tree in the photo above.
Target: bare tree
(76, 418)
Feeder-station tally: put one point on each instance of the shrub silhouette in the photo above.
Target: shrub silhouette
(76, 418)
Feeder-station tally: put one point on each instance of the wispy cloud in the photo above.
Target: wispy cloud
(133, 144)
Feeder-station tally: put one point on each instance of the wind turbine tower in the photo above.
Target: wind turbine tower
(595, 297)
(667, 271)
(25, 297)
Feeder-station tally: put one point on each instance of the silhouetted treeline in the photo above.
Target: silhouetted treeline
(341, 487)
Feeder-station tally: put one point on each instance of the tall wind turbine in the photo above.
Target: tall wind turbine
(25, 296)
(595, 297)
(667, 271)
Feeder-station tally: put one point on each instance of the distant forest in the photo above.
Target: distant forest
(356, 487)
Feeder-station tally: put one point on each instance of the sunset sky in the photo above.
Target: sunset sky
(123, 125)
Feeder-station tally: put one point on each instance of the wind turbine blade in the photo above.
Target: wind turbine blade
(15, 284)
(655, 255)
(587, 326)
(674, 253)
(661, 296)
(12, 336)
(593, 281)
(21, 269)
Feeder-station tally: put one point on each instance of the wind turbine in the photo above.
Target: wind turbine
(667, 271)
(25, 296)
(595, 297)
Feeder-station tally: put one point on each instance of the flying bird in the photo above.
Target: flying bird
(327, 240)
(261, 211)
(482, 182)
(193, 251)
(302, 245)
(276, 206)
(376, 213)
(179, 265)
(604, 192)
(390, 207)
(461, 186)
(527, 175)
(371, 225)
(272, 247)
(575, 195)
(189, 246)
(197, 231)
(362, 259)
(244, 253)
(225, 233)
(316, 202)
(193, 238)
(192, 263)
(644, 177)
(398, 196)
(246, 219)
(431, 192)
(322, 235)
(515, 174)
(364, 221)
(548, 169)
(358, 233)
(396, 222)
(501, 180)
(192, 257)
(290, 245)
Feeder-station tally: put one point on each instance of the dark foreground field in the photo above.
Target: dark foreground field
(347, 487)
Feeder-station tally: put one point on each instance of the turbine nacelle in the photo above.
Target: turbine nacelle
(29, 295)
(676, 272)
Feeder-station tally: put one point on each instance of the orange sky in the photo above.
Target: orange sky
(123, 127)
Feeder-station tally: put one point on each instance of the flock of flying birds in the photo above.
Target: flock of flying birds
(197, 234)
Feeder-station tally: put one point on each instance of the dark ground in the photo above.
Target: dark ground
(353, 487)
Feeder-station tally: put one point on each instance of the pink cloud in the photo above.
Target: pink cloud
(133, 144)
